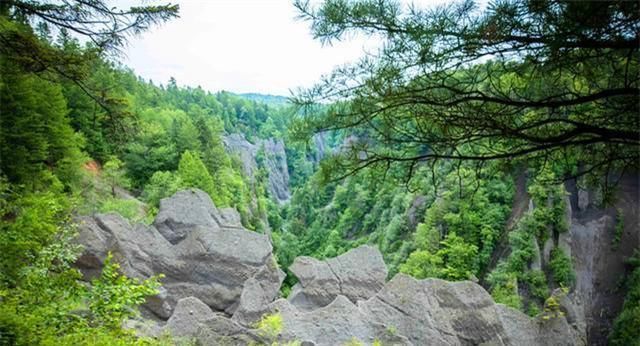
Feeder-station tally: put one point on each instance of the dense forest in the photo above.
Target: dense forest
(422, 152)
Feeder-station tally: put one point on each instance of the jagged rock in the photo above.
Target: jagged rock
(357, 274)
(143, 327)
(258, 292)
(230, 217)
(335, 324)
(405, 311)
(194, 320)
(416, 211)
(536, 261)
(531, 206)
(564, 238)
(180, 213)
(583, 199)
(546, 251)
(198, 252)
(275, 162)
(573, 312)
(189, 316)
(422, 312)
(319, 144)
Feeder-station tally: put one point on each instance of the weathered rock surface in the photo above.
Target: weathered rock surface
(405, 312)
(422, 312)
(193, 319)
(220, 279)
(201, 251)
(357, 274)
(275, 161)
(258, 292)
(598, 258)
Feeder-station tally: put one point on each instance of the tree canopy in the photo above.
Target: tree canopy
(521, 79)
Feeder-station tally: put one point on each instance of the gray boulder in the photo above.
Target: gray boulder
(194, 320)
(357, 274)
(422, 312)
(258, 292)
(200, 254)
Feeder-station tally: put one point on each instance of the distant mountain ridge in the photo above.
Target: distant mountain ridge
(273, 100)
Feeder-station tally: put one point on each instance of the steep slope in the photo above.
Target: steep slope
(264, 153)
(601, 239)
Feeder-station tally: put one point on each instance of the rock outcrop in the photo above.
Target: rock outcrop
(274, 161)
(192, 319)
(407, 311)
(201, 251)
(221, 279)
(357, 274)
(600, 240)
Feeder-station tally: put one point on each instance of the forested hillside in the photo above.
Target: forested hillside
(476, 146)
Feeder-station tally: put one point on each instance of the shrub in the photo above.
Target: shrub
(422, 264)
(507, 293)
(552, 308)
(537, 283)
(130, 209)
(561, 268)
(113, 297)
(270, 326)
(626, 327)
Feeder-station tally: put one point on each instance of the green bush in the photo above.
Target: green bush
(537, 283)
(505, 288)
(561, 268)
(626, 327)
(42, 299)
(270, 326)
(113, 296)
(422, 264)
(130, 209)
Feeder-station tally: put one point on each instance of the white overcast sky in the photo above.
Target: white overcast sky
(239, 46)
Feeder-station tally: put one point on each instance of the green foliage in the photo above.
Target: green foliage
(130, 209)
(114, 173)
(547, 220)
(459, 256)
(561, 268)
(537, 283)
(472, 215)
(552, 308)
(113, 296)
(619, 229)
(29, 222)
(161, 185)
(626, 327)
(270, 326)
(422, 264)
(507, 293)
(35, 134)
(434, 62)
(549, 212)
(42, 298)
(193, 173)
(353, 342)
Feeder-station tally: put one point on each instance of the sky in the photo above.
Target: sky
(240, 46)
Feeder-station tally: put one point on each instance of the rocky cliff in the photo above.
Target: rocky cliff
(598, 240)
(271, 153)
(221, 278)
